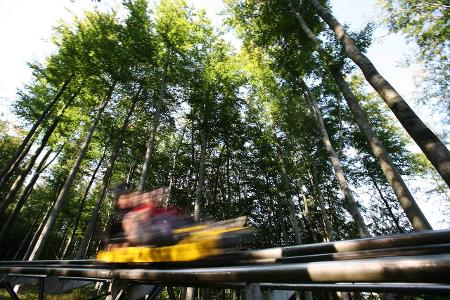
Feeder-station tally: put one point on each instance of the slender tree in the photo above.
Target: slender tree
(87, 237)
(29, 165)
(156, 116)
(412, 210)
(68, 183)
(285, 184)
(13, 164)
(27, 191)
(343, 185)
(436, 152)
(201, 168)
(82, 204)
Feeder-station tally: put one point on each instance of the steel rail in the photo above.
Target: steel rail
(219, 261)
(381, 242)
(401, 287)
(376, 253)
(50, 262)
(414, 243)
(425, 269)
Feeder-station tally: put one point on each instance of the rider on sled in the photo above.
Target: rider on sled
(145, 219)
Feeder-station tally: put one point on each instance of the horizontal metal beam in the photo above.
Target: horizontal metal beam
(376, 253)
(381, 242)
(50, 262)
(425, 269)
(414, 243)
(236, 261)
(411, 288)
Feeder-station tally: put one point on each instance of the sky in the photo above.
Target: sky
(26, 27)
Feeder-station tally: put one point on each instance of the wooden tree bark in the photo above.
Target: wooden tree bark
(285, 184)
(412, 210)
(69, 181)
(27, 168)
(394, 218)
(201, 170)
(65, 239)
(27, 236)
(311, 224)
(38, 231)
(20, 153)
(328, 227)
(343, 185)
(151, 140)
(81, 205)
(20, 159)
(431, 145)
(87, 237)
(25, 194)
(229, 196)
(174, 162)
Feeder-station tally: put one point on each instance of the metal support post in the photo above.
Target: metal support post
(171, 293)
(252, 291)
(118, 288)
(155, 291)
(42, 288)
(187, 293)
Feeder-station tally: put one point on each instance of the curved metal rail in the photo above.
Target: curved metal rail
(415, 262)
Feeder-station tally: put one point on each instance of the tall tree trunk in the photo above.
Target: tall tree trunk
(65, 240)
(14, 162)
(201, 170)
(175, 157)
(343, 185)
(69, 181)
(281, 223)
(404, 196)
(151, 140)
(12, 217)
(285, 184)
(4, 186)
(27, 168)
(229, 198)
(192, 168)
(431, 145)
(386, 203)
(25, 239)
(310, 222)
(328, 227)
(89, 232)
(82, 202)
(38, 231)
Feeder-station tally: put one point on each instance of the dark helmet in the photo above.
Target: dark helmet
(119, 189)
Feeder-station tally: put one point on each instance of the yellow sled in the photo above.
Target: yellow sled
(201, 241)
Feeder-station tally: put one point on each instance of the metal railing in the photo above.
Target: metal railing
(415, 262)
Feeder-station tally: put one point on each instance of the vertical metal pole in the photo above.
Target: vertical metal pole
(252, 291)
(190, 292)
(235, 294)
(41, 288)
(171, 293)
(308, 295)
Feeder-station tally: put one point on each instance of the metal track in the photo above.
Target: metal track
(425, 269)
(416, 262)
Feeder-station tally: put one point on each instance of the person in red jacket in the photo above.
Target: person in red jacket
(150, 220)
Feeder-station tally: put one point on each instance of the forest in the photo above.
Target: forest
(296, 129)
